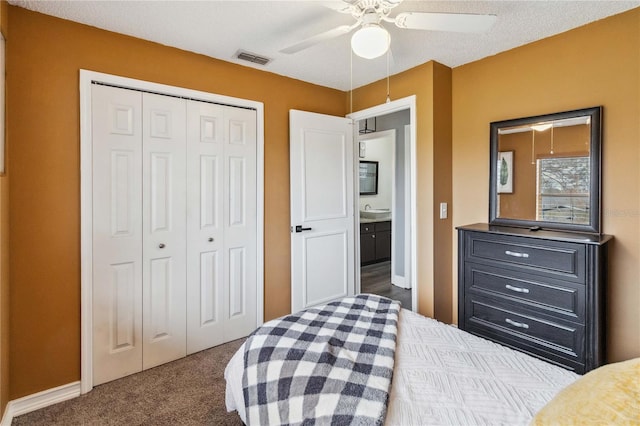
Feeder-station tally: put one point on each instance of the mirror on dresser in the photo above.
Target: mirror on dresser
(545, 171)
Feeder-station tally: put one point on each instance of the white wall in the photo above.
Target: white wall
(380, 148)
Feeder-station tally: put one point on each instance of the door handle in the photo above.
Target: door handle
(299, 228)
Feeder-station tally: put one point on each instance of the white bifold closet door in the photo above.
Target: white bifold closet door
(174, 228)
(164, 227)
(117, 232)
(221, 235)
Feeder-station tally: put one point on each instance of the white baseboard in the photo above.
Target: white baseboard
(399, 281)
(34, 402)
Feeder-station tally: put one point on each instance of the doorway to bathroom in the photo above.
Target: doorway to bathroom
(384, 220)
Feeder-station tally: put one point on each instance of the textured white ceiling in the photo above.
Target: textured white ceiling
(220, 28)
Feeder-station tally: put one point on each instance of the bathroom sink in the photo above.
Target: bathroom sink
(375, 213)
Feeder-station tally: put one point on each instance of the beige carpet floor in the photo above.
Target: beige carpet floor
(189, 391)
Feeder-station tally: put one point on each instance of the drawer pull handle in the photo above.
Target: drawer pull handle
(516, 254)
(516, 324)
(517, 289)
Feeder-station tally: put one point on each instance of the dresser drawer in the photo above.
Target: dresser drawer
(519, 327)
(548, 258)
(554, 297)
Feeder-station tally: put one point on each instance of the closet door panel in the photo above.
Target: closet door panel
(160, 299)
(117, 232)
(205, 236)
(240, 222)
(210, 181)
(209, 279)
(164, 218)
(237, 282)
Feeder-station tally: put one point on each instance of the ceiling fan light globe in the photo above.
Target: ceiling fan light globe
(370, 41)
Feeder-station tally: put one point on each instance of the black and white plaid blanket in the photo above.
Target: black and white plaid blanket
(330, 365)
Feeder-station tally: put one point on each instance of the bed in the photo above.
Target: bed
(445, 376)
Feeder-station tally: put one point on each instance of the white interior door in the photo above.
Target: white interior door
(117, 232)
(164, 218)
(240, 223)
(222, 226)
(322, 204)
(205, 236)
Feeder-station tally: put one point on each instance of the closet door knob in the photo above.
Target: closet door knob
(161, 245)
(210, 239)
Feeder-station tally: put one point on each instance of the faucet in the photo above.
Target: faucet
(367, 206)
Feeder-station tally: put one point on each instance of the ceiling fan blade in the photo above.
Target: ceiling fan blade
(338, 6)
(454, 22)
(327, 35)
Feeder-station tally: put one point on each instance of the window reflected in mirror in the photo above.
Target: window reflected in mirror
(563, 190)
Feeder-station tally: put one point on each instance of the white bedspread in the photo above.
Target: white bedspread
(445, 376)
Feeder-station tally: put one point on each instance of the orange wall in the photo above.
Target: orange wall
(598, 64)
(431, 83)
(442, 192)
(4, 257)
(521, 203)
(45, 55)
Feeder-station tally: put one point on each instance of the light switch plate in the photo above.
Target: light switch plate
(443, 211)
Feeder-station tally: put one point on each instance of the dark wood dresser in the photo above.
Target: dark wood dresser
(540, 292)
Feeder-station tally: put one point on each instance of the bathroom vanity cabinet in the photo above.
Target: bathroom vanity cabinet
(375, 242)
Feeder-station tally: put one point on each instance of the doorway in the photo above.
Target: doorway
(380, 208)
(386, 204)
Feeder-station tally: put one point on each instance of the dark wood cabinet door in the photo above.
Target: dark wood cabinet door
(367, 248)
(383, 245)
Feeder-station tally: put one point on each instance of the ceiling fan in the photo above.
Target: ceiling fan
(372, 39)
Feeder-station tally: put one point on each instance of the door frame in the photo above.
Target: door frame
(409, 103)
(87, 78)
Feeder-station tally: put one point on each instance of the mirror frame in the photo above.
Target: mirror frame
(595, 156)
(376, 166)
